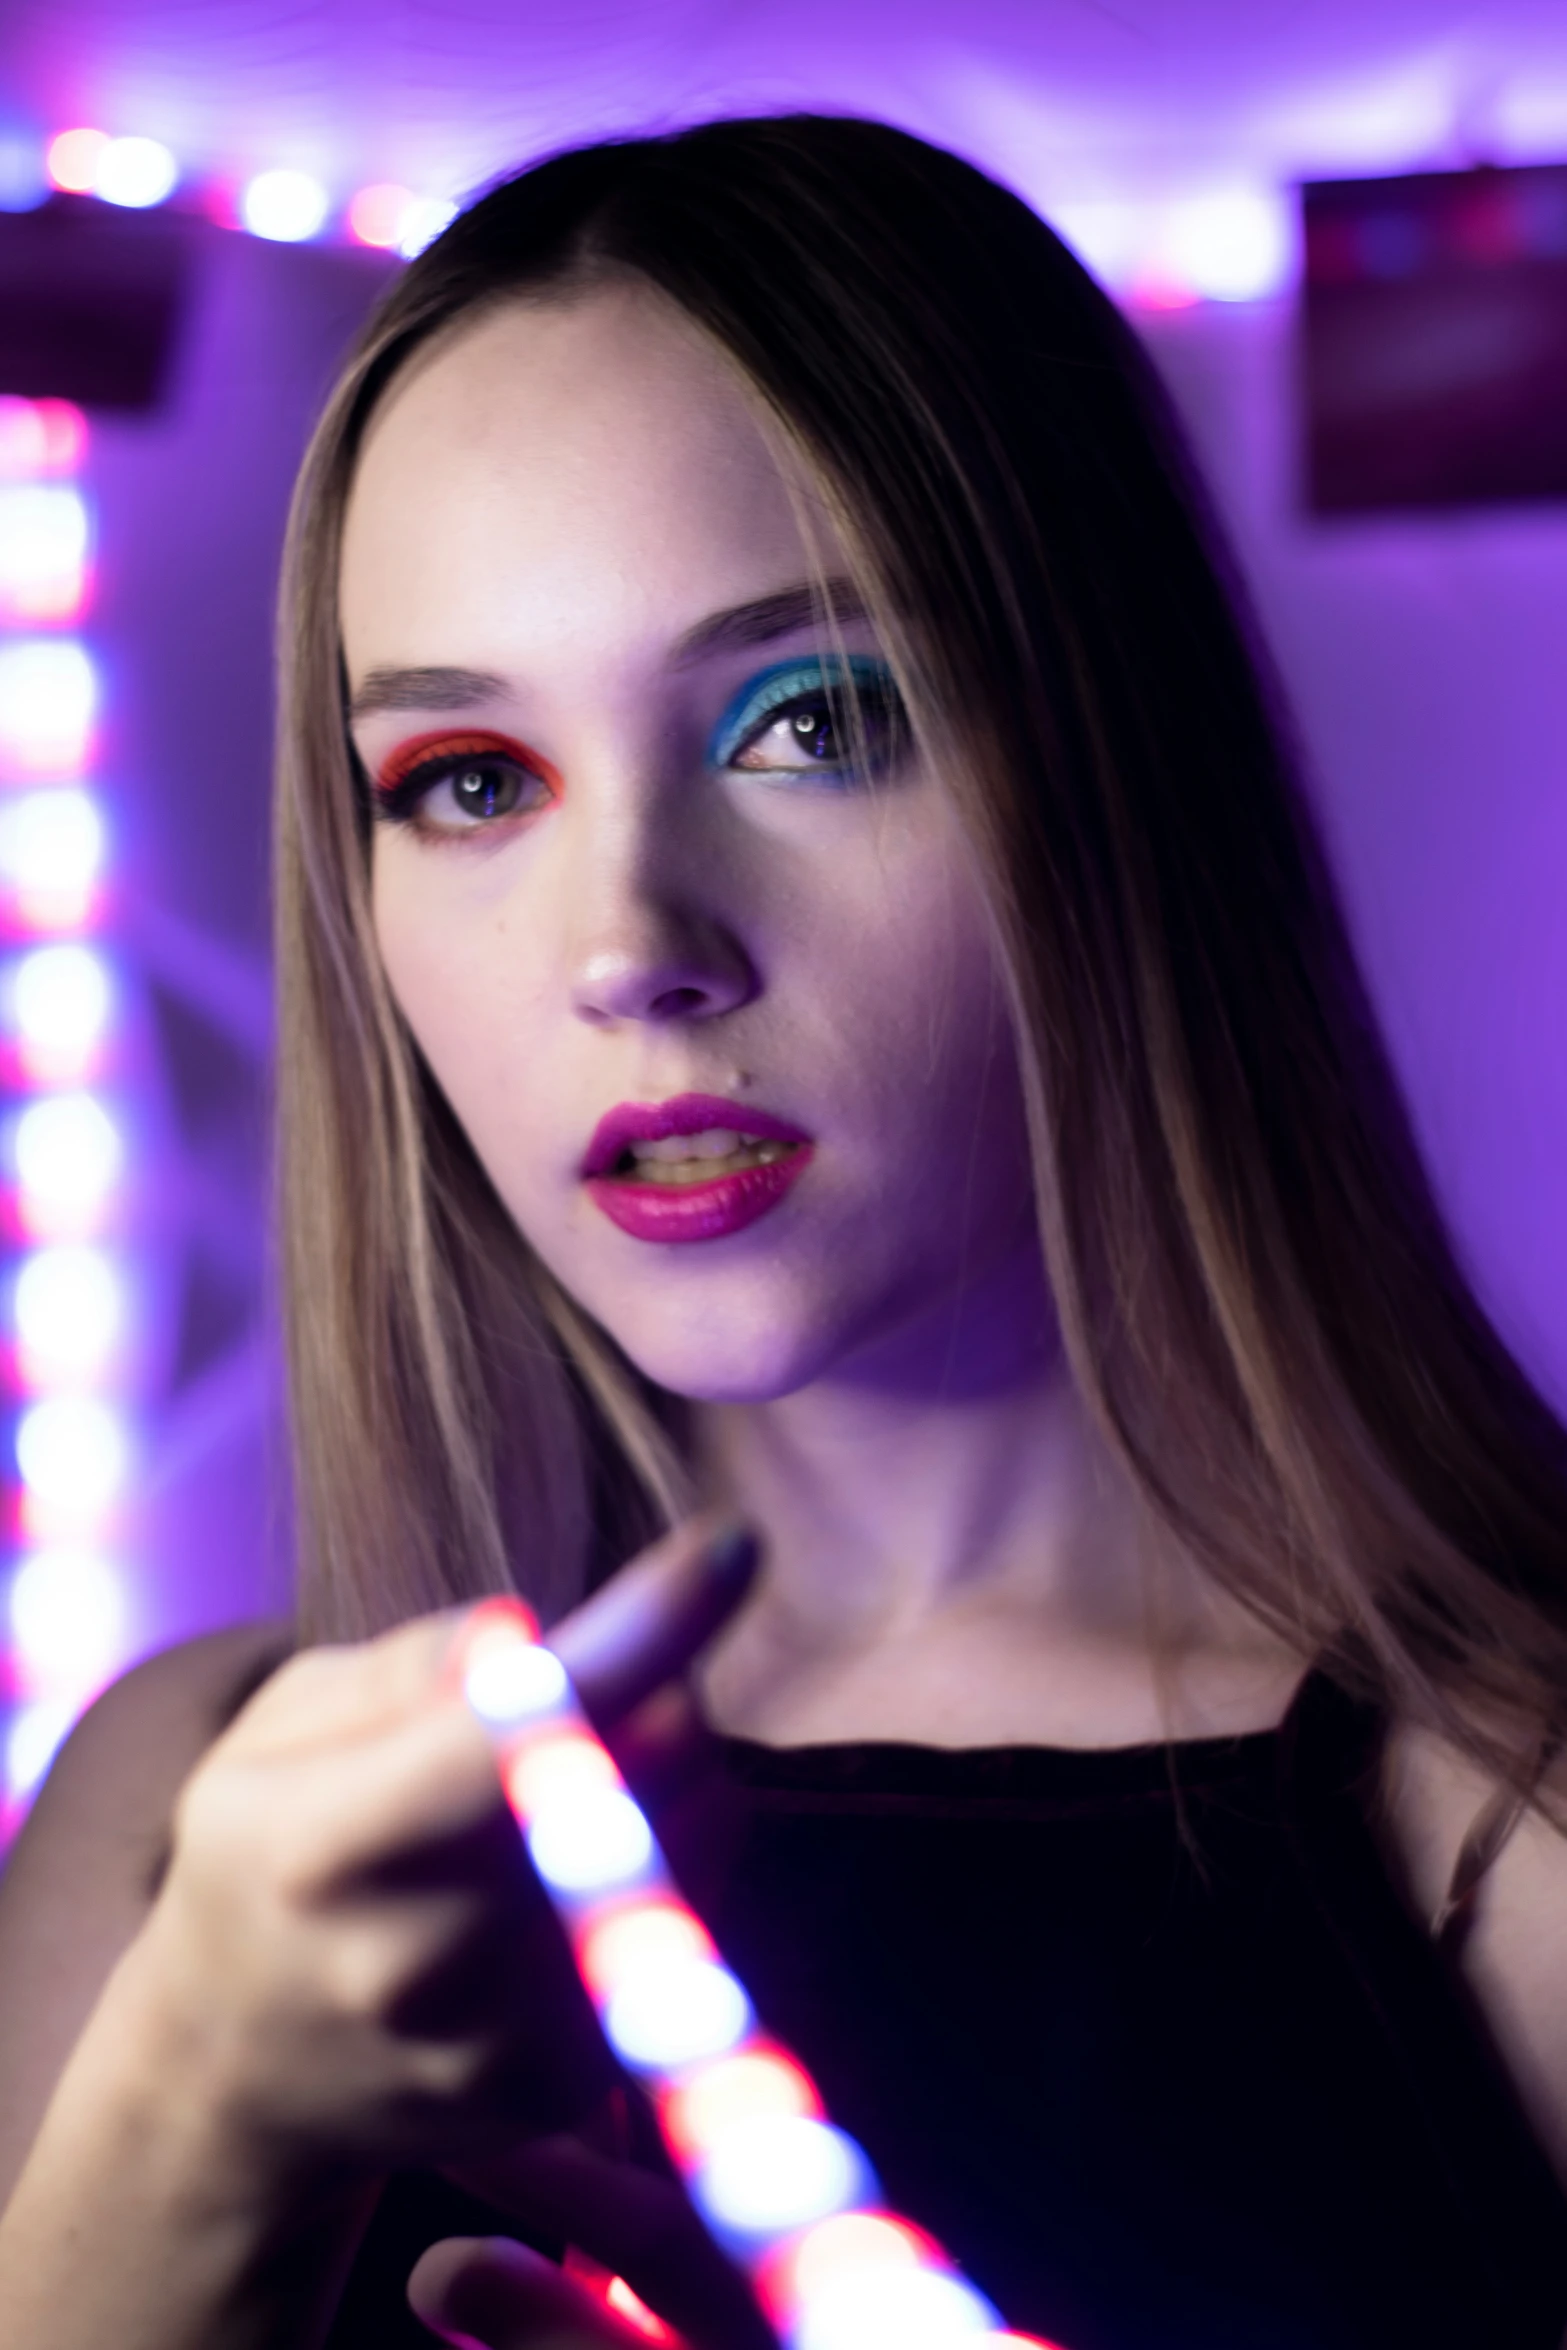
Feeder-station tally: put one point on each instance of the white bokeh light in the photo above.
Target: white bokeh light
(589, 1840)
(135, 172)
(33, 1740)
(44, 541)
(893, 2309)
(781, 2171)
(68, 1158)
(48, 698)
(513, 1679)
(1232, 247)
(423, 223)
(68, 1622)
(70, 1309)
(72, 1455)
(669, 2013)
(60, 1000)
(51, 852)
(287, 206)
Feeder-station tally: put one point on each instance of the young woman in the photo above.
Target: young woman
(809, 992)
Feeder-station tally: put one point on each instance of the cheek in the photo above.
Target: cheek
(466, 989)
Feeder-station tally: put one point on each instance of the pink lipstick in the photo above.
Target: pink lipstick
(735, 1165)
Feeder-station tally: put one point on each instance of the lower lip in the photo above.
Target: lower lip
(697, 1211)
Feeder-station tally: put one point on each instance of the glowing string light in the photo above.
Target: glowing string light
(789, 2195)
(289, 207)
(48, 698)
(51, 853)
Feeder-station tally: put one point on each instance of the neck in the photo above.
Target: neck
(956, 1556)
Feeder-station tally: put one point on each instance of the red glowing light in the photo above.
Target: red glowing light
(619, 2297)
(757, 2084)
(378, 215)
(650, 1934)
(1163, 292)
(73, 158)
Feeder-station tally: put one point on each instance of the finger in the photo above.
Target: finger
(329, 1693)
(490, 2291)
(651, 1619)
(634, 2222)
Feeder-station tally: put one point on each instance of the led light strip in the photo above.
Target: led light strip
(790, 2197)
(284, 205)
(62, 1291)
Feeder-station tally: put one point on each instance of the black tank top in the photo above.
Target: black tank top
(1144, 2036)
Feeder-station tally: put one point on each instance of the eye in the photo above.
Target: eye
(835, 721)
(451, 786)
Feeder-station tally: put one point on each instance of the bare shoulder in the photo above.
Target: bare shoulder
(86, 1867)
(1515, 1956)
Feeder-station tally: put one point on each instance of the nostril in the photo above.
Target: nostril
(676, 1003)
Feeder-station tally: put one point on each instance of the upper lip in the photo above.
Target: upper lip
(685, 1113)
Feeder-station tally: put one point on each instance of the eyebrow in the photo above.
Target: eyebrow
(741, 625)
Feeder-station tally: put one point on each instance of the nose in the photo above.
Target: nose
(650, 956)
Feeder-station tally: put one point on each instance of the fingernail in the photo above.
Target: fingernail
(732, 1553)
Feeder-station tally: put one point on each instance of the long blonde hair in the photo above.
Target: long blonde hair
(1255, 1287)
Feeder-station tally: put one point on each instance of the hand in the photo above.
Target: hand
(488, 2293)
(350, 1964)
(631, 2222)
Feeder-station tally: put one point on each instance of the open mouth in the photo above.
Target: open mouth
(676, 1161)
(682, 1170)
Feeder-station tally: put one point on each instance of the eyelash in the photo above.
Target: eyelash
(861, 683)
(404, 785)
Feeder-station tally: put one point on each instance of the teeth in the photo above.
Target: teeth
(716, 1142)
(698, 1158)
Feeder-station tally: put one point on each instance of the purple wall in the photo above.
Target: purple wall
(1425, 659)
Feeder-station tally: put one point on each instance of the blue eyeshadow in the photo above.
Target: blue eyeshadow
(774, 688)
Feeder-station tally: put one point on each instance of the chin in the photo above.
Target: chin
(742, 1355)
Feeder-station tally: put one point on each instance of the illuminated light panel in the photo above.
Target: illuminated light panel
(40, 437)
(68, 1623)
(424, 224)
(135, 172)
(48, 699)
(68, 1154)
(69, 1310)
(72, 1455)
(72, 159)
(763, 2164)
(757, 2084)
(51, 853)
(59, 1002)
(379, 215)
(44, 546)
(287, 206)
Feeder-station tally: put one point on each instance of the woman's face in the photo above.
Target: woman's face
(714, 1003)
